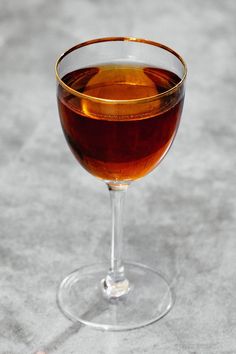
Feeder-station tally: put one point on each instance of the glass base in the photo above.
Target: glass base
(80, 297)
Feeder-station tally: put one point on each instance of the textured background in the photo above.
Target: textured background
(55, 217)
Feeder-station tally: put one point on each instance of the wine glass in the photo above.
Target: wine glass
(120, 100)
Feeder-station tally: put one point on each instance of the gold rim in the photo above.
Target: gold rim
(121, 39)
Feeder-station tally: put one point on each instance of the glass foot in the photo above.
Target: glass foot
(81, 298)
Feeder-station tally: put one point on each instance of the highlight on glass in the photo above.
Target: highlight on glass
(120, 101)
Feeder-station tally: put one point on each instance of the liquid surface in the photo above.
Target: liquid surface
(119, 142)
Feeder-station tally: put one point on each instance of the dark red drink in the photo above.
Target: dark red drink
(120, 141)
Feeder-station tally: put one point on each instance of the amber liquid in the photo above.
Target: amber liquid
(120, 142)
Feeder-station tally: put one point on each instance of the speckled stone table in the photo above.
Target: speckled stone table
(54, 217)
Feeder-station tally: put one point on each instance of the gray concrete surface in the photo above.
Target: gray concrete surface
(55, 217)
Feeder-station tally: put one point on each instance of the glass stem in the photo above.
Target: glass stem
(115, 284)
